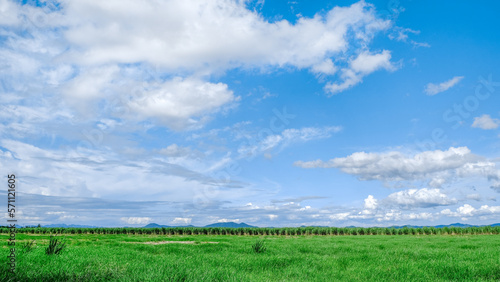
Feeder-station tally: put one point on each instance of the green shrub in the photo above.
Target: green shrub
(259, 246)
(27, 247)
(55, 247)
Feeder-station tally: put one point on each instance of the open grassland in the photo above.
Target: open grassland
(127, 257)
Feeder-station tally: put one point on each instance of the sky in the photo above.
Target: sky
(273, 113)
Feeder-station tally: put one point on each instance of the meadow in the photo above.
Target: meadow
(305, 257)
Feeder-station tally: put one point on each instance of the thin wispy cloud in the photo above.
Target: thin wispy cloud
(278, 142)
(433, 89)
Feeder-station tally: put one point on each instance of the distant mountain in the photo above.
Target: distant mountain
(151, 225)
(461, 225)
(154, 225)
(456, 225)
(220, 224)
(240, 225)
(230, 225)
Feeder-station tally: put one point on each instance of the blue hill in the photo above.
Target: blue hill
(219, 224)
(68, 226)
(240, 225)
(230, 225)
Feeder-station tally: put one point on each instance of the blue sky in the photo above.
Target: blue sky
(272, 113)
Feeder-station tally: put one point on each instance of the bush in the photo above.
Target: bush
(27, 247)
(259, 246)
(56, 246)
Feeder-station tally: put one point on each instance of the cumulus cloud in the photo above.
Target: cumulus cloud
(433, 89)
(486, 122)
(136, 220)
(97, 56)
(181, 220)
(396, 215)
(469, 211)
(177, 103)
(214, 34)
(368, 63)
(437, 167)
(392, 215)
(395, 205)
(371, 202)
(364, 64)
(339, 216)
(419, 198)
(129, 66)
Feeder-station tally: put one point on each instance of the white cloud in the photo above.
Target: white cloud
(91, 83)
(404, 217)
(401, 34)
(272, 216)
(419, 198)
(228, 220)
(57, 212)
(437, 167)
(175, 151)
(476, 197)
(383, 216)
(178, 102)
(325, 67)
(367, 63)
(364, 64)
(486, 122)
(340, 216)
(468, 211)
(286, 138)
(217, 34)
(309, 133)
(371, 202)
(101, 173)
(465, 210)
(97, 55)
(9, 13)
(181, 220)
(136, 220)
(433, 89)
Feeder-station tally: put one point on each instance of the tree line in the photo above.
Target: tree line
(288, 231)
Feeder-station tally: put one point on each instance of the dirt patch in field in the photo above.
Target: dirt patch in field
(172, 242)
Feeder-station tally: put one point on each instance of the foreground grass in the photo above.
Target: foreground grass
(297, 258)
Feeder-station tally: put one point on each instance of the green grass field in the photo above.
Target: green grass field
(118, 257)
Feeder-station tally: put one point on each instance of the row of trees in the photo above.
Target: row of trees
(263, 231)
